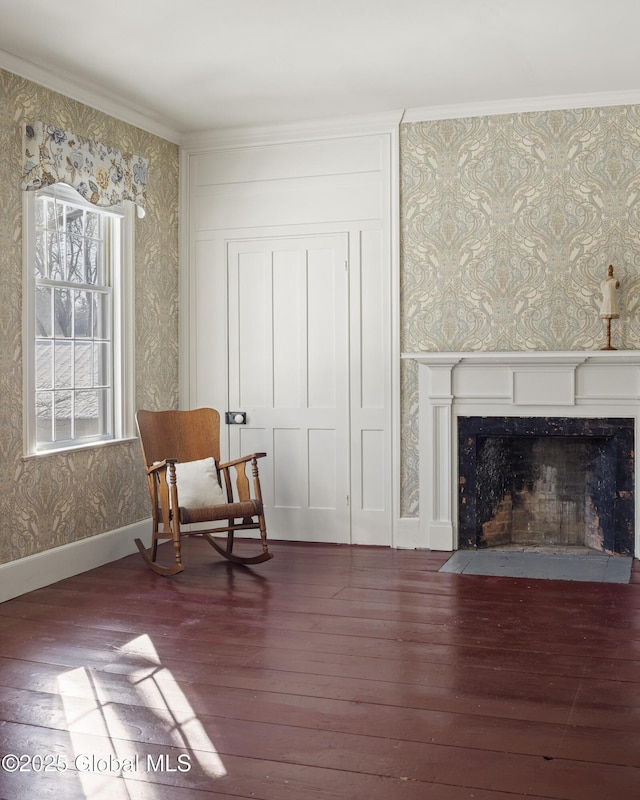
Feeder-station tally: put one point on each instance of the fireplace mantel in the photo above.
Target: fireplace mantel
(577, 383)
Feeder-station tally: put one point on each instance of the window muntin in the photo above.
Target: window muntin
(76, 325)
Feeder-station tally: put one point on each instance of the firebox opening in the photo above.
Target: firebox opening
(546, 482)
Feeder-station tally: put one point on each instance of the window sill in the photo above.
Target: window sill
(75, 448)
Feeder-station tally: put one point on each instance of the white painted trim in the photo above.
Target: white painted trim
(397, 535)
(124, 328)
(115, 106)
(334, 128)
(121, 279)
(522, 105)
(186, 321)
(122, 109)
(408, 534)
(28, 324)
(42, 569)
(580, 383)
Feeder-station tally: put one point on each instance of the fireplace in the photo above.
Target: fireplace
(555, 438)
(538, 481)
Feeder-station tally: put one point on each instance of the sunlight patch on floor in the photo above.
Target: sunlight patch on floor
(103, 756)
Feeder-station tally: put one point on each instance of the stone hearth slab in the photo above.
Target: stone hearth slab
(600, 568)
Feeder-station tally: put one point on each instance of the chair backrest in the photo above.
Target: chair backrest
(185, 435)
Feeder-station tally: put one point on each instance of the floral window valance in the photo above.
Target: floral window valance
(102, 175)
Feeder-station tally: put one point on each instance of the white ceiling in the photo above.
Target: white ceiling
(184, 66)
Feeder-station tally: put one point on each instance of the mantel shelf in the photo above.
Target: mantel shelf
(526, 357)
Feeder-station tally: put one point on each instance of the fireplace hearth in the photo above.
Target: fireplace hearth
(560, 482)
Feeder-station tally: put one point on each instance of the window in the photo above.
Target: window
(78, 321)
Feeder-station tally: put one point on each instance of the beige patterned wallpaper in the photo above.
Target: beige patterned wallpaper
(508, 224)
(60, 498)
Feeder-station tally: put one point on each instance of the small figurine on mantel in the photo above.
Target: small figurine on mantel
(609, 307)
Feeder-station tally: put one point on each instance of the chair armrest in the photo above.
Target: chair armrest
(159, 477)
(241, 481)
(242, 460)
(160, 465)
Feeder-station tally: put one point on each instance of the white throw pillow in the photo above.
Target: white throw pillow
(198, 484)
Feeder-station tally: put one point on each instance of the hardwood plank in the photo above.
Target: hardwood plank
(285, 752)
(577, 640)
(330, 671)
(485, 664)
(458, 730)
(367, 604)
(211, 770)
(469, 657)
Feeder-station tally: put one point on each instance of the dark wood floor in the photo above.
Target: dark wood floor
(328, 672)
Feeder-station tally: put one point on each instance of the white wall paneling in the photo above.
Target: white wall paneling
(252, 210)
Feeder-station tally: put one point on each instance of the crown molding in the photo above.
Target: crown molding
(330, 128)
(522, 105)
(254, 136)
(114, 106)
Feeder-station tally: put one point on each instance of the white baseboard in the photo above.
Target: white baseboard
(407, 534)
(34, 572)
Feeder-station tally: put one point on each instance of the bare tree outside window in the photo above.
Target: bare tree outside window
(74, 243)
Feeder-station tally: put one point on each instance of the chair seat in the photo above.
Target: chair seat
(242, 510)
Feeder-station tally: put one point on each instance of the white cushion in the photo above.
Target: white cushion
(198, 484)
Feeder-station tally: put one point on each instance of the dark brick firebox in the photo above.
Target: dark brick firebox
(546, 480)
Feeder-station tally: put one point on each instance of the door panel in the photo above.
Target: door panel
(289, 370)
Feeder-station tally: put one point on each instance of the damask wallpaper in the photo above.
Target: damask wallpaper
(56, 499)
(508, 225)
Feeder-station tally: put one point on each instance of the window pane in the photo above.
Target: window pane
(83, 306)
(55, 214)
(44, 365)
(40, 210)
(63, 365)
(101, 316)
(91, 413)
(75, 259)
(93, 247)
(83, 364)
(63, 313)
(53, 245)
(74, 223)
(62, 415)
(93, 224)
(44, 318)
(92, 266)
(44, 426)
(101, 371)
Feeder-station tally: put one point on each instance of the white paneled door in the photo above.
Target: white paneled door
(289, 371)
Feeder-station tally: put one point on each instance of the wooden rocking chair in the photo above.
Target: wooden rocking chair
(189, 485)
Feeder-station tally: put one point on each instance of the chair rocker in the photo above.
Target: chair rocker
(189, 485)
